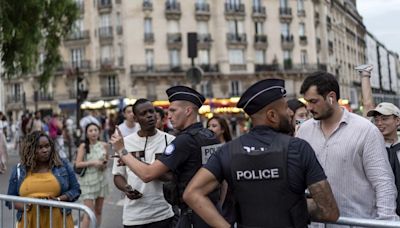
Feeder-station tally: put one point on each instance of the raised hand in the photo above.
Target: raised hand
(117, 140)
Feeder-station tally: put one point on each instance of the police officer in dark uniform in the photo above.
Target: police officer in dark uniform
(185, 155)
(267, 170)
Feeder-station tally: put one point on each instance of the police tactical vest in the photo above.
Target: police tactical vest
(207, 143)
(261, 188)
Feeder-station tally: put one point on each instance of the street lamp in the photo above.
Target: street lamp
(81, 95)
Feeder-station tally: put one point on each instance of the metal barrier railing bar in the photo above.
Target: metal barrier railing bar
(357, 222)
(42, 202)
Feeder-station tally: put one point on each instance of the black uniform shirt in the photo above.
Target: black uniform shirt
(183, 154)
(303, 166)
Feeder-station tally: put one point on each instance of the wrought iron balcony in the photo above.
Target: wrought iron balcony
(110, 91)
(82, 65)
(149, 37)
(174, 40)
(173, 10)
(260, 41)
(285, 14)
(259, 13)
(236, 38)
(104, 5)
(106, 34)
(303, 40)
(147, 5)
(234, 10)
(301, 13)
(81, 37)
(202, 11)
(204, 40)
(287, 42)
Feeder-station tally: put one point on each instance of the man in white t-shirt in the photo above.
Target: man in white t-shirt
(129, 125)
(144, 203)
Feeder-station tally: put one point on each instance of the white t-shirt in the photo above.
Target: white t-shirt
(125, 130)
(152, 207)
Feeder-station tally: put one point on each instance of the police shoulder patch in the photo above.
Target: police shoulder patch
(170, 148)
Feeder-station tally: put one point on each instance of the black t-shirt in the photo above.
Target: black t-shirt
(183, 155)
(303, 166)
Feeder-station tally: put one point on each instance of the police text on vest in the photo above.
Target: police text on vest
(265, 174)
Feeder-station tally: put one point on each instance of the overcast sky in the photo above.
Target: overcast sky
(382, 19)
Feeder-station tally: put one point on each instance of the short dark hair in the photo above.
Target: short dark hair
(324, 81)
(138, 102)
(160, 111)
(295, 104)
(127, 106)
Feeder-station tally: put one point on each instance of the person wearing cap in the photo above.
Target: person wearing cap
(350, 149)
(267, 169)
(184, 155)
(386, 117)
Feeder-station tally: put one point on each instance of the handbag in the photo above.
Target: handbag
(80, 171)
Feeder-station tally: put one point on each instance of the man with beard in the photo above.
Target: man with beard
(351, 150)
(267, 170)
(144, 204)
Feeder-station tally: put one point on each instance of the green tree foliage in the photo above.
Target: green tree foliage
(28, 27)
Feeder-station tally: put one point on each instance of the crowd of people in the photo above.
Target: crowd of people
(300, 162)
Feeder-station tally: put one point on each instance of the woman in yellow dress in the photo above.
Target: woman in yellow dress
(42, 174)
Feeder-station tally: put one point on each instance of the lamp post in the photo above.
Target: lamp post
(81, 95)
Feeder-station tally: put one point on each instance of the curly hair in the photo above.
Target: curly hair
(31, 145)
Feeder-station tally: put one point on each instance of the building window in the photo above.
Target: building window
(284, 3)
(302, 29)
(260, 57)
(16, 91)
(110, 86)
(151, 91)
(77, 56)
(174, 58)
(148, 28)
(300, 5)
(287, 60)
(105, 20)
(303, 57)
(233, 4)
(149, 59)
(235, 88)
(235, 27)
(77, 27)
(206, 89)
(236, 56)
(259, 28)
(106, 54)
(256, 4)
(285, 30)
(203, 57)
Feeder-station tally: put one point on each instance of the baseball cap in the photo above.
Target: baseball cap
(386, 109)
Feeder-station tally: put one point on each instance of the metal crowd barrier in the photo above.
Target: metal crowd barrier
(42, 202)
(357, 222)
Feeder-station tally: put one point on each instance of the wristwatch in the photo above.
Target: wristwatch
(124, 152)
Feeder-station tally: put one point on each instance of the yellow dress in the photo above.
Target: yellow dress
(42, 185)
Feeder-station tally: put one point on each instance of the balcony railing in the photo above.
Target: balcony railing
(209, 67)
(149, 37)
(301, 13)
(15, 98)
(303, 40)
(173, 10)
(104, 5)
(79, 35)
(236, 38)
(202, 11)
(154, 69)
(110, 91)
(83, 64)
(285, 14)
(238, 67)
(316, 18)
(287, 42)
(330, 47)
(45, 96)
(106, 33)
(260, 41)
(119, 29)
(106, 63)
(147, 6)
(259, 13)
(234, 10)
(174, 40)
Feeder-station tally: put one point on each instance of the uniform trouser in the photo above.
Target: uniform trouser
(160, 224)
(189, 219)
